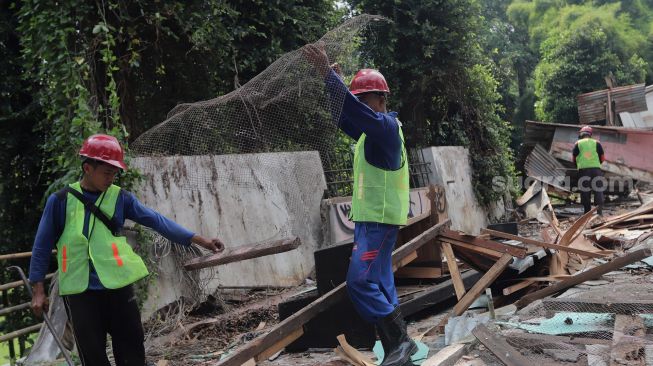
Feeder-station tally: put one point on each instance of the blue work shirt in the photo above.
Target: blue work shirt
(382, 143)
(53, 221)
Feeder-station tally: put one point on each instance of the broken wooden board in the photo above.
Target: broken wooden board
(499, 347)
(353, 354)
(577, 227)
(488, 278)
(543, 244)
(242, 253)
(453, 269)
(437, 296)
(590, 274)
(628, 341)
(515, 251)
(289, 325)
(493, 254)
(418, 272)
(623, 307)
(448, 356)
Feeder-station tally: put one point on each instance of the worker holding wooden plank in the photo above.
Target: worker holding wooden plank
(380, 200)
(96, 264)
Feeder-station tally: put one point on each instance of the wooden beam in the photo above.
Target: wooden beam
(486, 252)
(499, 347)
(437, 296)
(293, 336)
(581, 277)
(289, 325)
(485, 281)
(515, 251)
(628, 341)
(418, 272)
(409, 258)
(242, 253)
(623, 307)
(543, 244)
(453, 270)
(516, 287)
(448, 356)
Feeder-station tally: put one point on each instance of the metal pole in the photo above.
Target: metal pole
(46, 318)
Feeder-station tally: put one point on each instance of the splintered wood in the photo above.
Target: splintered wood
(243, 252)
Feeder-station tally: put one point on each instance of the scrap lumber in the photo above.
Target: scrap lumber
(518, 286)
(543, 244)
(448, 356)
(499, 347)
(644, 209)
(297, 320)
(418, 272)
(453, 270)
(437, 295)
(585, 276)
(577, 227)
(480, 250)
(622, 307)
(515, 251)
(352, 353)
(480, 286)
(628, 341)
(242, 253)
(281, 344)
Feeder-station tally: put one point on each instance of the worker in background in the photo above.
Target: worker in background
(96, 266)
(380, 200)
(588, 155)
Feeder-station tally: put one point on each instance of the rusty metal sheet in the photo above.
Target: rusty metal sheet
(544, 167)
(592, 106)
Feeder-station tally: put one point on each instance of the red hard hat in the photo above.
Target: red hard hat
(368, 80)
(586, 129)
(104, 148)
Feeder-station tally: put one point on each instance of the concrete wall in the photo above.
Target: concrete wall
(241, 199)
(450, 168)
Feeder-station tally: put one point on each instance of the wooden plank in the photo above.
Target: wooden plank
(485, 281)
(486, 252)
(581, 277)
(297, 320)
(411, 257)
(628, 341)
(242, 253)
(499, 347)
(447, 356)
(418, 272)
(453, 270)
(516, 287)
(281, 344)
(623, 307)
(577, 227)
(438, 296)
(543, 244)
(515, 251)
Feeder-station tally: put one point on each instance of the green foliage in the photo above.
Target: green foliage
(442, 84)
(575, 62)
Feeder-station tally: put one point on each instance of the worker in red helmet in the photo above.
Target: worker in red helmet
(588, 155)
(380, 200)
(96, 265)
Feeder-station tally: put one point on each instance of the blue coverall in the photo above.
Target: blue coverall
(370, 280)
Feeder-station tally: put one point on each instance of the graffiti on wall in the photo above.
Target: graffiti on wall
(341, 230)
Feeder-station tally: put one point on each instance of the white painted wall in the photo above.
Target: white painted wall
(450, 168)
(242, 199)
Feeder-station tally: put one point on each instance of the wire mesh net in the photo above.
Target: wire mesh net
(593, 329)
(286, 108)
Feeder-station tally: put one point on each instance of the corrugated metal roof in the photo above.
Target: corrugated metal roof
(631, 98)
(546, 168)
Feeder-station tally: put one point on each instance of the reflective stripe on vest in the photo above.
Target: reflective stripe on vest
(587, 155)
(113, 259)
(379, 195)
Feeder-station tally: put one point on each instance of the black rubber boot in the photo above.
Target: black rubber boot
(397, 346)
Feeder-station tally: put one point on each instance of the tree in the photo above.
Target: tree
(575, 62)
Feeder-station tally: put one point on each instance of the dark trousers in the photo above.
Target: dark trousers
(96, 313)
(591, 180)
